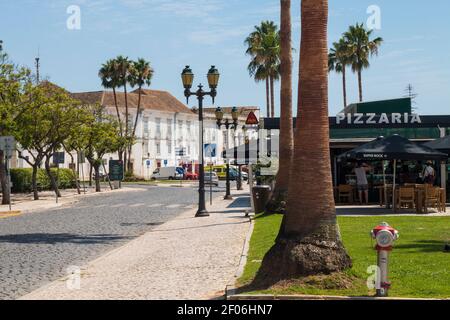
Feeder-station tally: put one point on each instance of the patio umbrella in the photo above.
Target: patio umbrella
(392, 148)
(442, 144)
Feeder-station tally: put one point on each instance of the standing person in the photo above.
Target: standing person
(361, 181)
(429, 175)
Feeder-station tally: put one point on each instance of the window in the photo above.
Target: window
(145, 152)
(158, 149)
(158, 127)
(145, 124)
(169, 147)
(169, 128)
(225, 139)
(188, 124)
(180, 126)
(188, 150)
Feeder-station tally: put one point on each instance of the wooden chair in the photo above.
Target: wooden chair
(443, 200)
(406, 195)
(345, 191)
(432, 198)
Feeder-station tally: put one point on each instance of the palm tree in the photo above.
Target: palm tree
(309, 241)
(263, 45)
(361, 47)
(338, 60)
(286, 130)
(142, 74)
(110, 80)
(123, 72)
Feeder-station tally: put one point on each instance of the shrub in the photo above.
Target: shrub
(21, 179)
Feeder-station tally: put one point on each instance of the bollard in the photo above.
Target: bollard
(385, 237)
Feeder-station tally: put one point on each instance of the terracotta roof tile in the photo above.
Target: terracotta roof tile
(150, 100)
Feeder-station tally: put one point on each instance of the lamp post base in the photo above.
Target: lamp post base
(228, 197)
(202, 213)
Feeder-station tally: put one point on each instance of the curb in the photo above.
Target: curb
(246, 297)
(230, 290)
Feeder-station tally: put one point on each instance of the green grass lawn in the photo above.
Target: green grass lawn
(419, 266)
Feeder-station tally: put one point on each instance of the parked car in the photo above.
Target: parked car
(168, 173)
(211, 178)
(191, 176)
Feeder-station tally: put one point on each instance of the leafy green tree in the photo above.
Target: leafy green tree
(14, 81)
(99, 135)
(361, 47)
(263, 45)
(43, 126)
(338, 60)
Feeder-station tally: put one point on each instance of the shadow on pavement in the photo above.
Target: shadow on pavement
(48, 238)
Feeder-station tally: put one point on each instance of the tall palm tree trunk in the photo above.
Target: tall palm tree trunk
(126, 122)
(309, 242)
(360, 86)
(268, 97)
(272, 96)
(344, 86)
(279, 196)
(130, 148)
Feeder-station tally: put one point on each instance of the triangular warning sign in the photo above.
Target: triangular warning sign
(252, 120)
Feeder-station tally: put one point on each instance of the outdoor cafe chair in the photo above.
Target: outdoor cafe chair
(406, 195)
(432, 198)
(345, 192)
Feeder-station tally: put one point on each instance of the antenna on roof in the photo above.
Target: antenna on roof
(38, 65)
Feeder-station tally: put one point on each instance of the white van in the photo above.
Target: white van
(168, 173)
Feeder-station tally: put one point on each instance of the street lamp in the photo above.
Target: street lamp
(187, 76)
(227, 124)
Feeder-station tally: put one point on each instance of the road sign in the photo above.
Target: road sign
(116, 170)
(166, 162)
(58, 157)
(148, 163)
(8, 145)
(210, 150)
(252, 120)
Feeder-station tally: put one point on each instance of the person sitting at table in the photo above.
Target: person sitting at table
(361, 181)
(429, 175)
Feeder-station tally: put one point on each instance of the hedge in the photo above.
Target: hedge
(21, 179)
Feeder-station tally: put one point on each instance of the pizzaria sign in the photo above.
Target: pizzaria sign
(373, 118)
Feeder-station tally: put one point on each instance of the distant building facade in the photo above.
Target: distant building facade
(167, 132)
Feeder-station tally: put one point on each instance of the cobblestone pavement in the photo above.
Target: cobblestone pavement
(185, 258)
(36, 248)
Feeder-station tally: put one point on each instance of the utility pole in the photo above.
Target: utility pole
(37, 69)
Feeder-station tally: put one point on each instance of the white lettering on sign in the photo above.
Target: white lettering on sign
(371, 118)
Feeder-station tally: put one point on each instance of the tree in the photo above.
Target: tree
(45, 123)
(309, 241)
(142, 74)
(338, 60)
(263, 45)
(110, 80)
(99, 135)
(279, 196)
(361, 48)
(13, 83)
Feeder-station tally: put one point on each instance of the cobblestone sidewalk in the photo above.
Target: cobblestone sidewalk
(186, 258)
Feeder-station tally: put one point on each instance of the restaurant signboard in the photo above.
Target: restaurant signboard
(374, 119)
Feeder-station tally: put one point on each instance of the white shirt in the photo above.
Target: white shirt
(361, 177)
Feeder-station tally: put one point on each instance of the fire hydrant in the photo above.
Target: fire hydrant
(385, 236)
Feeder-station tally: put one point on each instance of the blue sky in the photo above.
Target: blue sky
(173, 33)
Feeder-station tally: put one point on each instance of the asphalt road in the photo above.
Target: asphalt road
(37, 248)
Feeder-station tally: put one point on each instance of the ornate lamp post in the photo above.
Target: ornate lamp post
(227, 124)
(187, 77)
